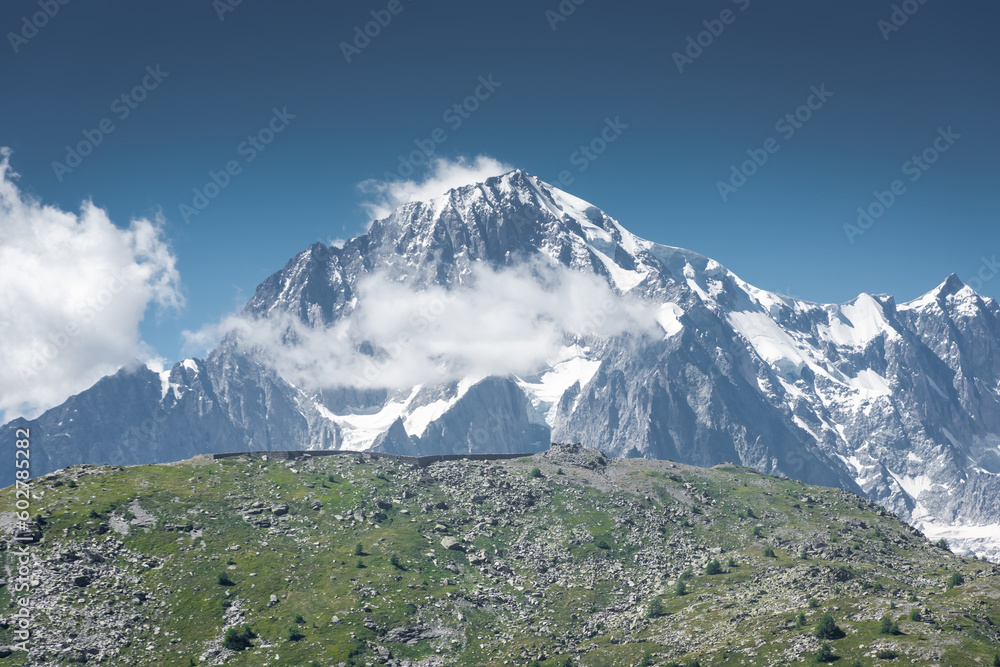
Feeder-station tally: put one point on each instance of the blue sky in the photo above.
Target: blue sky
(211, 78)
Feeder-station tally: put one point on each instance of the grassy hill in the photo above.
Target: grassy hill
(562, 558)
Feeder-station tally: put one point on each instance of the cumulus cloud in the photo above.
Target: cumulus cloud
(73, 290)
(442, 175)
(499, 322)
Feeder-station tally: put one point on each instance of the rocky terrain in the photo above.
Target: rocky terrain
(564, 557)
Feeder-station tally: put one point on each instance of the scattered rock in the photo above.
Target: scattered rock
(452, 544)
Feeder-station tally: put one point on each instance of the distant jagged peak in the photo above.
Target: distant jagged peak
(950, 295)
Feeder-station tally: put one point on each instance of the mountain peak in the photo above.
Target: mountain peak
(951, 285)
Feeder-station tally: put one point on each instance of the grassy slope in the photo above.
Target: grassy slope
(579, 556)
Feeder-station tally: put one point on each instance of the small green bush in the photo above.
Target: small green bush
(827, 628)
(915, 615)
(731, 563)
(224, 580)
(886, 654)
(299, 619)
(713, 567)
(360, 564)
(812, 603)
(825, 653)
(238, 639)
(769, 553)
(655, 608)
(758, 531)
(396, 563)
(681, 587)
(359, 549)
(943, 544)
(294, 634)
(536, 473)
(956, 579)
(888, 626)
(800, 621)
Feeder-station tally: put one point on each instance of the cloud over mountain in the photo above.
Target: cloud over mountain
(73, 290)
(497, 322)
(442, 175)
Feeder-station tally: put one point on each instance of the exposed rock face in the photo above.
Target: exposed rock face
(900, 402)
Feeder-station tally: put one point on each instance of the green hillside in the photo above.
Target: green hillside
(562, 558)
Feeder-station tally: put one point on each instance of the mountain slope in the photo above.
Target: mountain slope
(661, 353)
(566, 554)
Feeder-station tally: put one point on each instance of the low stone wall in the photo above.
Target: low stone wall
(419, 461)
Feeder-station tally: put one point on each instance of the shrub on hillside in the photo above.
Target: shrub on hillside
(827, 628)
(238, 639)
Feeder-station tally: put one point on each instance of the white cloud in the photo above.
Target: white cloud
(498, 323)
(73, 290)
(442, 175)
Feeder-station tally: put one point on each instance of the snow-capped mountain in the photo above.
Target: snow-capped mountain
(898, 402)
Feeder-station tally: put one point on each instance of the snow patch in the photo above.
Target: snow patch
(771, 342)
(914, 485)
(857, 323)
(668, 317)
(545, 391)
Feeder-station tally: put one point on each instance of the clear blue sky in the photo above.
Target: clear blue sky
(782, 230)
